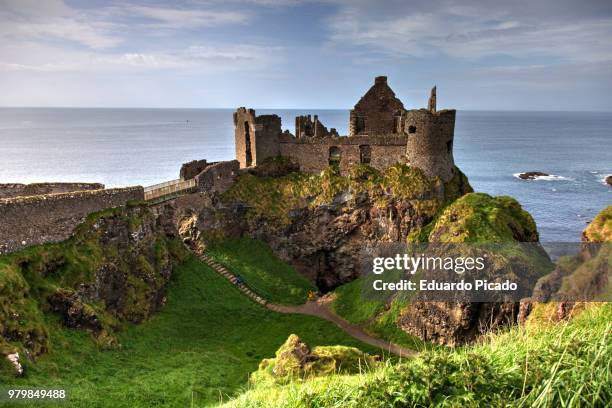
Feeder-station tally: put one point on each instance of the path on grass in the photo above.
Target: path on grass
(319, 308)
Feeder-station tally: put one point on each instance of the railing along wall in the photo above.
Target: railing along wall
(168, 188)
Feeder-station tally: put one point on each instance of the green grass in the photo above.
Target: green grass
(375, 311)
(562, 365)
(261, 270)
(202, 345)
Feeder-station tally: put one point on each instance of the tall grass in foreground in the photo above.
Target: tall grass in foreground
(548, 365)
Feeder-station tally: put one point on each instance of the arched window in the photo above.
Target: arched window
(365, 154)
(411, 129)
(334, 156)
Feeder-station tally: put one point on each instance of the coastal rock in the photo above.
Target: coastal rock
(532, 175)
(608, 180)
(577, 280)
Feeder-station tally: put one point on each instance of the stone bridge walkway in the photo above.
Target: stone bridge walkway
(319, 308)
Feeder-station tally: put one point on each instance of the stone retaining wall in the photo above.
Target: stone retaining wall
(34, 220)
(10, 190)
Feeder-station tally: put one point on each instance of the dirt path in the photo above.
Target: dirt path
(320, 308)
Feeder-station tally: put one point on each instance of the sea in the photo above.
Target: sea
(124, 147)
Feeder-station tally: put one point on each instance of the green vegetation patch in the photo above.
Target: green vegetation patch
(478, 217)
(46, 278)
(295, 360)
(273, 198)
(567, 364)
(261, 270)
(200, 348)
(600, 229)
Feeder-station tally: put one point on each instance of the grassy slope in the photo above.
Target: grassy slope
(565, 364)
(203, 344)
(261, 270)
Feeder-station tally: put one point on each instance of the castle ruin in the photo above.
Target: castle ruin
(381, 133)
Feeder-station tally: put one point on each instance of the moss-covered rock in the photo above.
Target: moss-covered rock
(600, 229)
(478, 217)
(115, 268)
(295, 361)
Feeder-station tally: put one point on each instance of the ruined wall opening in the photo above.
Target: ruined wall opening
(247, 144)
(335, 155)
(449, 147)
(411, 129)
(365, 154)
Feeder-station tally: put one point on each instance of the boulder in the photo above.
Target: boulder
(296, 360)
(608, 180)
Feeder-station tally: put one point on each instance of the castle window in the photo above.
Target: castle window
(411, 129)
(449, 146)
(247, 144)
(365, 154)
(334, 156)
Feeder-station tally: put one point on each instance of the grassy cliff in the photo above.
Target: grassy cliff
(566, 364)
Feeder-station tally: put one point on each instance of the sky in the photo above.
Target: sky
(493, 55)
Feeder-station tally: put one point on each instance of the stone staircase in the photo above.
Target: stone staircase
(223, 271)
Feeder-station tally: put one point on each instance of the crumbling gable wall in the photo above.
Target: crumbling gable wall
(377, 112)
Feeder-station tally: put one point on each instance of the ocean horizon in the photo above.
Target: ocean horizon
(145, 146)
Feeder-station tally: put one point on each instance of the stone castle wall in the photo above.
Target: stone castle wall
(192, 169)
(34, 220)
(218, 177)
(256, 137)
(10, 190)
(313, 155)
(381, 133)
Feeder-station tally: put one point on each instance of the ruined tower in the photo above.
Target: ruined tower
(256, 137)
(377, 112)
(430, 141)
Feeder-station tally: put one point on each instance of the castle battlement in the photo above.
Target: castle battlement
(381, 133)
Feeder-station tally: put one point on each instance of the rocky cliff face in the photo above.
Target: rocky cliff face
(319, 223)
(576, 280)
(115, 268)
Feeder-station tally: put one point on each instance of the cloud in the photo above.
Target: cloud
(52, 19)
(473, 30)
(33, 57)
(177, 18)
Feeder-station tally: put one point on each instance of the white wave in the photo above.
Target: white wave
(603, 179)
(550, 177)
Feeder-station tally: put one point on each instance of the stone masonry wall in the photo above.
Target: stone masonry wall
(256, 137)
(10, 190)
(192, 169)
(430, 141)
(27, 221)
(375, 113)
(218, 177)
(313, 155)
